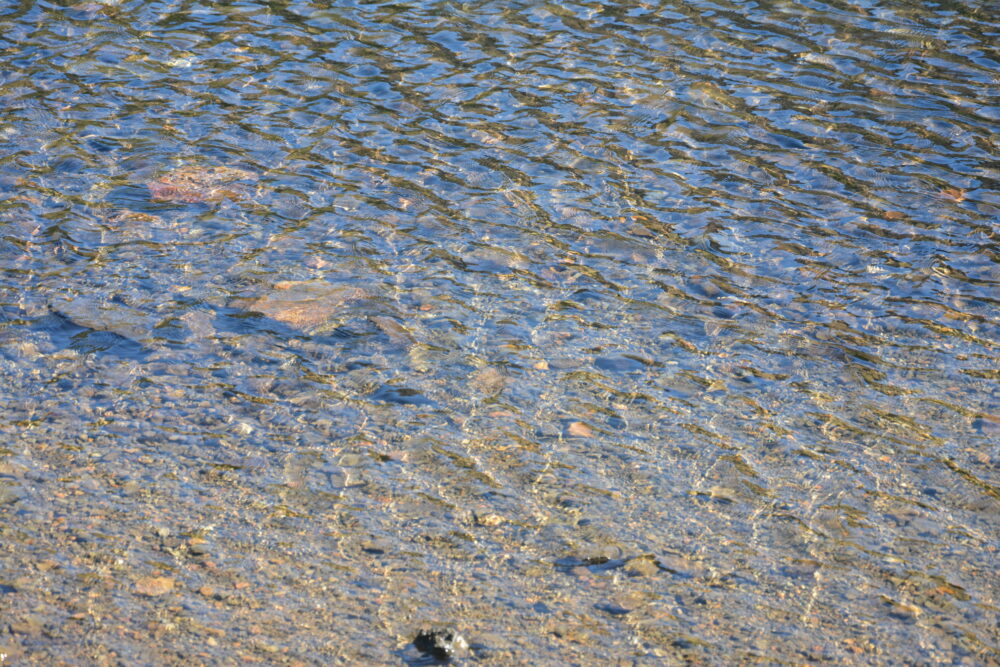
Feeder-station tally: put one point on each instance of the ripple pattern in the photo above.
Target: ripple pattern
(603, 332)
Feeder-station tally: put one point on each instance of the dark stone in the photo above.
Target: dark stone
(376, 546)
(594, 563)
(199, 549)
(613, 609)
(800, 568)
(440, 643)
(401, 395)
(622, 364)
(723, 313)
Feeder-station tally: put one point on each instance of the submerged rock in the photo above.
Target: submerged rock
(396, 332)
(10, 493)
(441, 643)
(154, 586)
(487, 381)
(401, 395)
(305, 305)
(107, 315)
(127, 216)
(642, 566)
(189, 185)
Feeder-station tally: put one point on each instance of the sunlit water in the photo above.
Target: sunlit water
(653, 332)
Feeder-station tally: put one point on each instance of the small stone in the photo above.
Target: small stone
(954, 194)
(799, 568)
(396, 332)
(135, 217)
(441, 643)
(207, 591)
(905, 612)
(612, 608)
(722, 494)
(487, 381)
(154, 586)
(680, 565)
(28, 625)
(491, 520)
(572, 632)
(10, 494)
(642, 566)
(579, 430)
(46, 565)
(198, 546)
(541, 365)
(265, 647)
(377, 546)
(24, 584)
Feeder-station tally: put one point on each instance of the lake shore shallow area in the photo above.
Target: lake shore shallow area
(499, 333)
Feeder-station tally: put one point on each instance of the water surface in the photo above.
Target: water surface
(643, 333)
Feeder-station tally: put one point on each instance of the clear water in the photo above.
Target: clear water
(646, 333)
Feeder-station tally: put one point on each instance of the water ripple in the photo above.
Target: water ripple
(670, 329)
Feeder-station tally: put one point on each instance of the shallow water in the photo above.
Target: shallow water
(653, 333)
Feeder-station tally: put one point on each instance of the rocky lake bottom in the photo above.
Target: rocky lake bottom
(501, 333)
